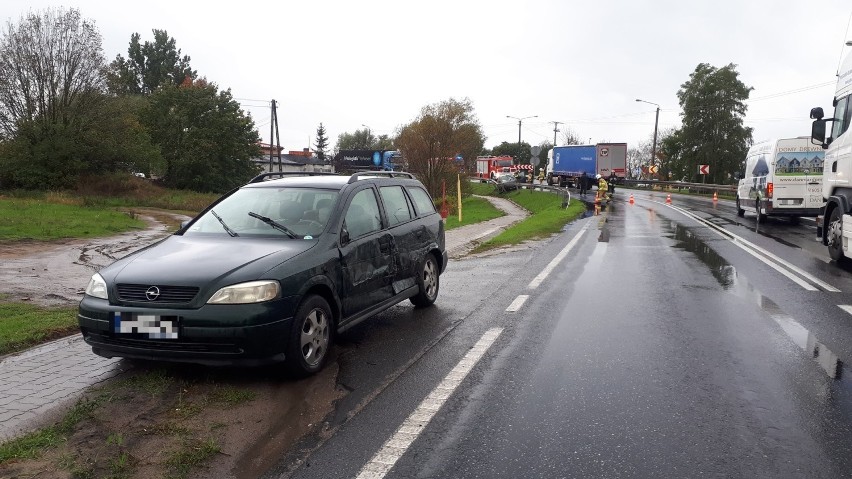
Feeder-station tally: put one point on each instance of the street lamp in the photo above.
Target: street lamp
(369, 138)
(656, 122)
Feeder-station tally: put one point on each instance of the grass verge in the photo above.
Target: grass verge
(92, 210)
(474, 210)
(26, 325)
(548, 217)
(42, 220)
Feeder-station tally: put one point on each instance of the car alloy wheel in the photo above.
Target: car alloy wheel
(428, 282)
(311, 336)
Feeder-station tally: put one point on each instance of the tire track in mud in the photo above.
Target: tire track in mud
(57, 274)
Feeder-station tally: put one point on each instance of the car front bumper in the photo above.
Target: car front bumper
(215, 335)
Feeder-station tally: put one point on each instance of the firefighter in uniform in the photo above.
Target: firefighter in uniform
(602, 187)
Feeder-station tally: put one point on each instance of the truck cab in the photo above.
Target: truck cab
(835, 221)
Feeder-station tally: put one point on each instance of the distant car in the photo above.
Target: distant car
(139, 175)
(506, 182)
(271, 272)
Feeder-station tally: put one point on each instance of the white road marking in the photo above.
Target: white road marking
(402, 439)
(756, 251)
(845, 307)
(517, 303)
(536, 282)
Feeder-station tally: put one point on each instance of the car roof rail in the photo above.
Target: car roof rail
(263, 176)
(391, 174)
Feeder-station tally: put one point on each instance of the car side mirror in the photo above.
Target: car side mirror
(183, 224)
(344, 236)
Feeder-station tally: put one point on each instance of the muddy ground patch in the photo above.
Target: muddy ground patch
(181, 421)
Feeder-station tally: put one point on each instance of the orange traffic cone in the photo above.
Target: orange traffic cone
(669, 199)
(631, 198)
(715, 198)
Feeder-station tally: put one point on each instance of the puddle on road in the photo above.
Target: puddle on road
(726, 275)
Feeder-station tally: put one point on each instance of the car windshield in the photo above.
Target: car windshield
(300, 213)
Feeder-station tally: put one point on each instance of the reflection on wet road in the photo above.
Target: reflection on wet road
(726, 274)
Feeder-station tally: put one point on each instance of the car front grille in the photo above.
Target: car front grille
(144, 293)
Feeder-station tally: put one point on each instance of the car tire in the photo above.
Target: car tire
(740, 211)
(311, 337)
(428, 283)
(833, 235)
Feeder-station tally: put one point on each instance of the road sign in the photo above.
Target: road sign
(604, 151)
(703, 169)
(535, 160)
(535, 150)
(652, 169)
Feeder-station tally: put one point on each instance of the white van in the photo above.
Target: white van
(782, 178)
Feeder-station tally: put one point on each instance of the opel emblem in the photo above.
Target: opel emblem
(152, 293)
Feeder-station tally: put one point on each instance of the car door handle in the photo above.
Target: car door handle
(385, 244)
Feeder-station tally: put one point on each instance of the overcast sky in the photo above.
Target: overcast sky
(377, 63)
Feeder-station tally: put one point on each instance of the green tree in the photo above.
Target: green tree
(713, 107)
(321, 144)
(206, 140)
(431, 142)
(519, 152)
(149, 66)
(384, 142)
(51, 99)
(359, 140)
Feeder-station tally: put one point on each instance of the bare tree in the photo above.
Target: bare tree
(51, 63)
(571, 137)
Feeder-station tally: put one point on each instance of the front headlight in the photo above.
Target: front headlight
(97, 287)
(244, 293)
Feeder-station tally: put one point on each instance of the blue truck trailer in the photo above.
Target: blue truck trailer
(566, 163)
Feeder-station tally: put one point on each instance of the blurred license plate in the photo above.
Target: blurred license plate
(148, 325)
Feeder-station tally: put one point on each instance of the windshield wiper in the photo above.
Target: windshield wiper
(273, 224)
(229, 230)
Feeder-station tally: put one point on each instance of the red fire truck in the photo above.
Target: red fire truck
(487, 167)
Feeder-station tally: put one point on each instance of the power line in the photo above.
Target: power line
(792, 92)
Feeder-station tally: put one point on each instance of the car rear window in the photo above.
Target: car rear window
(396, 204)
(422, 201)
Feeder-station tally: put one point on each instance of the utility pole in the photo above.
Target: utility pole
(277, 135)
(274, 133)
(271, 131)
(555, 130)
(520, 120)
(654, 144)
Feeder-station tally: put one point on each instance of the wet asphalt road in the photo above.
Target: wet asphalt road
(656, 348)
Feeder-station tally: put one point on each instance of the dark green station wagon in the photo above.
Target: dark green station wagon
(271, 272)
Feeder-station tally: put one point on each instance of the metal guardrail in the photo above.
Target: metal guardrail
(700, 188)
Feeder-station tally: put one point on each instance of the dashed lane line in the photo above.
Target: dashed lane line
(536, 282)
(395, 447)
(517, 303)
